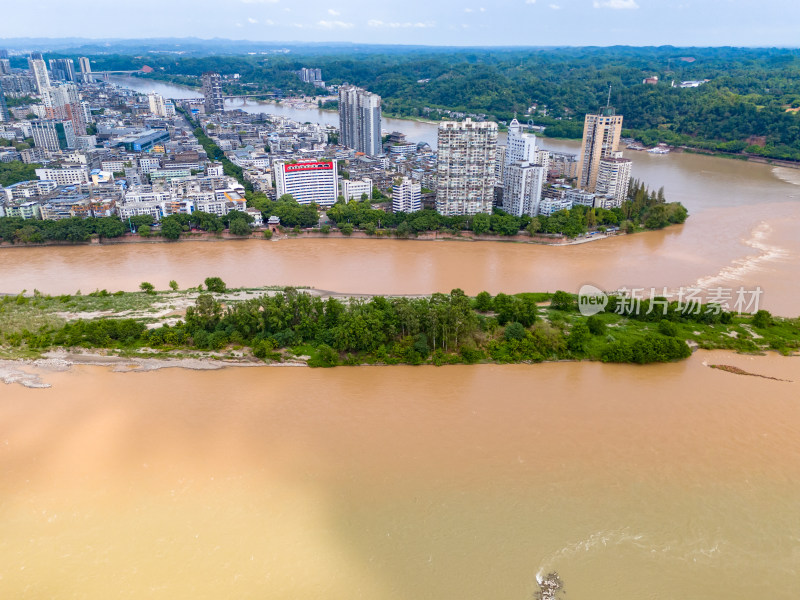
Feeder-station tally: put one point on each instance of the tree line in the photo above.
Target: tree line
(743, 107)
(440, 329)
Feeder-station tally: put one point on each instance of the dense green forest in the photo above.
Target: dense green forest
(743, 107)
(16, 171)
(439, 329)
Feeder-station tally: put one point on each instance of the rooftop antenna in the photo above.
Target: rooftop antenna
(608, 104)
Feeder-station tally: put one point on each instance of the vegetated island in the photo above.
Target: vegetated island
(320, 329)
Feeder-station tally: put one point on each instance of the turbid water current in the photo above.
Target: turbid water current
(390, 483)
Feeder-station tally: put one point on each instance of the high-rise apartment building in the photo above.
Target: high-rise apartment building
(523, 190)
(157, 106)
(613, 178)
(3, 107)
(465, 167)
(311, 76)
(212, 91)
(307, 181)
(63, 69)
(63, 102)
(521, 147)
(53, 135)
(601, 134)
(5, 66)
(38, 69)
(360, 120)
(86, 69)
(406, 195)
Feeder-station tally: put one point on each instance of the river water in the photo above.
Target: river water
(661, 482)
(657, 482)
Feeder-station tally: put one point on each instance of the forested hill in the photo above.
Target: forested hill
(745, 105)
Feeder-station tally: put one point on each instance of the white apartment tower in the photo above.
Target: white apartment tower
(360, 120)
(465, 167)
(523, 190)
(38, 69)
(406, 196)
(521, 147)
(601, 134)
(86, 69)
(613, 178)
(157, 106)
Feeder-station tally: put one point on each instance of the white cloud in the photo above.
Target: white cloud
(483, 9)
(334, 13)
(616, 4)
(467, 10)
(269, 22)
(530, 1)
(555, 6)
(252, 20)
(395, 25)
(334, 25)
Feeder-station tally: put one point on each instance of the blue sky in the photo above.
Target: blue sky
(432, 22)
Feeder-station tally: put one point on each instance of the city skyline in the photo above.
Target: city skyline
(502, 23)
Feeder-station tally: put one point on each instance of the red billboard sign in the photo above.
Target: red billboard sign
(314, 166)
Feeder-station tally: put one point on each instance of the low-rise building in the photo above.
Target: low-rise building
(354, 189)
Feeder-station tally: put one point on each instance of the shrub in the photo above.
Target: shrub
(562, 301)
(762, 319)
(147, 287)
(215, 284)
(667, 328)
(514, 331)
(596, 325)
(325, 356)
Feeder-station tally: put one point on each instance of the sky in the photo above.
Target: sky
(428, 22)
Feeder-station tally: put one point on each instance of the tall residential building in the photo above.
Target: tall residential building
(523, 190)
(499, 165)
(212, 91)
(521, 147)
(53, 135)
(5, 66)
(360, 120)
(38, 69)
(86, 69)
(63, 102)
(3, 107)
(465, 167)
(613, 177)
(311, 76)
(406, 195)
(601, 134)
(157, 106)
(63, 69)
(307, 181)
